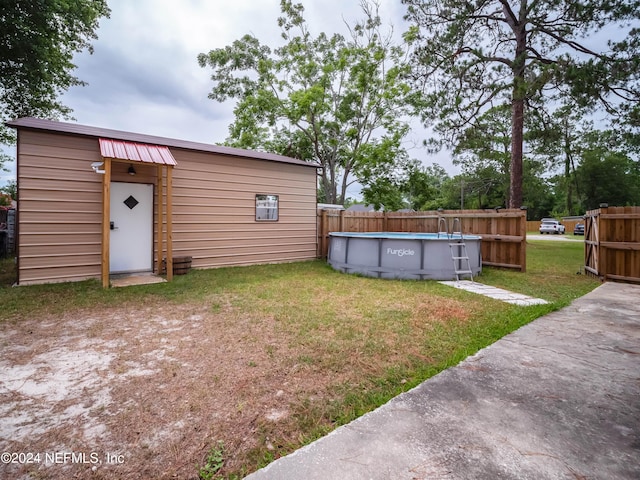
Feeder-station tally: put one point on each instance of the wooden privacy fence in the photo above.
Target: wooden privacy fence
(612, 243)
(503, 232)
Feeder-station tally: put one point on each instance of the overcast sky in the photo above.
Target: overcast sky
(144, 76)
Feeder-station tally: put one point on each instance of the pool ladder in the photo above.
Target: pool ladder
(458, 247)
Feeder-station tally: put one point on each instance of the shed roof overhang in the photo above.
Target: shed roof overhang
(158, 155)
(136, 152)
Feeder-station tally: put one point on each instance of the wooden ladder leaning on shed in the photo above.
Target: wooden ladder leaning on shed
(457, 246)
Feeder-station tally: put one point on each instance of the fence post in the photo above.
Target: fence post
(341, 221)
(603, 237)
(324, 222)
(523, 242)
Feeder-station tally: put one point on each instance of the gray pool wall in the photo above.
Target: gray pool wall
(410, 256)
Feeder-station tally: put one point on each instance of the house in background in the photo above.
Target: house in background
(95, 202)
(361, 207)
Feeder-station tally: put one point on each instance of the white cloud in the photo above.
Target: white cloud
(144, 76)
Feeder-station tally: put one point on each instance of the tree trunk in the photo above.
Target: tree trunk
(517, 139)
(567, 168)
(343, 189)
(331, 183)
(568, 182)
(325, 184)
(517, 116)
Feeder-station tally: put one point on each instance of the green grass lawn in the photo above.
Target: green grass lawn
(376, 337)
(554, 272)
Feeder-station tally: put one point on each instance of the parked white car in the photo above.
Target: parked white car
(550, 225)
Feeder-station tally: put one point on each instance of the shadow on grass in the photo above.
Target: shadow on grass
(7, 272)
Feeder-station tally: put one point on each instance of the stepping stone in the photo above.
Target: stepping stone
(496, 293)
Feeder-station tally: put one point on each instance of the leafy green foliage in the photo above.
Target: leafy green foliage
(213, 463)
(483, 152)
(538, 192)
(333, 100)
(487, 141)
(10, 189)
(4, 158)
(472, 56)
(411, 185)
(556, 138)
(38, 41)
(607, 175)
(596, 166)
(423, 186)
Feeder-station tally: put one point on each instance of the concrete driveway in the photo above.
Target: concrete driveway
(557, 399)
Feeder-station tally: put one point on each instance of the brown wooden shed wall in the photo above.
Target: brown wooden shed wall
(213, 208)
(59, 209)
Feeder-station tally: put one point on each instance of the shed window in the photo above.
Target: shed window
(267, 208)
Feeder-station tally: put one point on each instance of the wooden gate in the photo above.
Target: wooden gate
(591, 242)
(612, 243)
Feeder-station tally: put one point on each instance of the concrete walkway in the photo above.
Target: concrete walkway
(557, 399)
(129, 280)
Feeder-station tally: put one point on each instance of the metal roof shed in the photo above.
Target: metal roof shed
(210, 213)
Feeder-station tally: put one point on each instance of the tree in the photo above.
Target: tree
(409, 185)
(423, 185)
(450, 195)
(607, 174)
(557, 138)
(384, 193)
(473, 55)
(38, 41)
(4, 158)
(416, 187)
(11, 189)
(337, 101)
(482, 151)
(538, 193)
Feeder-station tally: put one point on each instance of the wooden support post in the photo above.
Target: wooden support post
(324, 226)
(106, 221)
(523, 242)
(602, 231)
(159, 238)
(169, 195)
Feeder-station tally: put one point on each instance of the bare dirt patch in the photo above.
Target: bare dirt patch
(152, 387)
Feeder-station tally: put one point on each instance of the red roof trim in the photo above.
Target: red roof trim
(136, 152)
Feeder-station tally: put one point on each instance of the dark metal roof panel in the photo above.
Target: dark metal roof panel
(85, 130)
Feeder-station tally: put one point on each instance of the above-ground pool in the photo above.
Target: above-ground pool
(417, 256)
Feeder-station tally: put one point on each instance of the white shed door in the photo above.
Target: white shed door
(131, 239)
